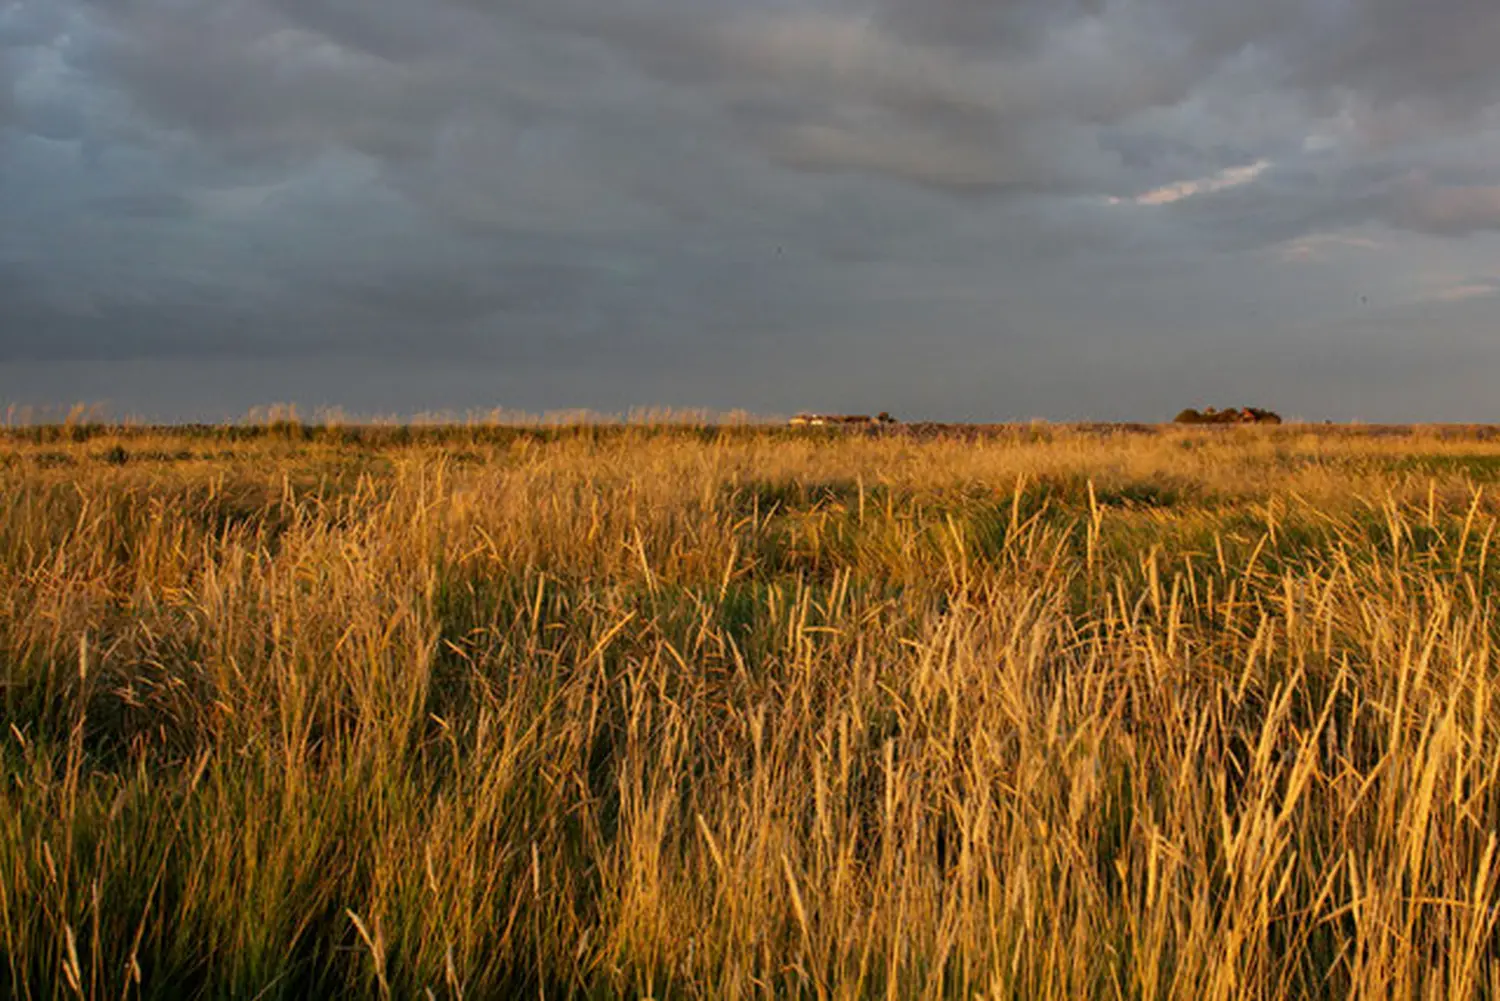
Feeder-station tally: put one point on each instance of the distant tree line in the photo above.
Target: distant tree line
(1233, 415)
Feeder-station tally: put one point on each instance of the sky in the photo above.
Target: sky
(945, 209)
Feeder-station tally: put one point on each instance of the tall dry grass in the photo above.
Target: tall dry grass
(739, 713)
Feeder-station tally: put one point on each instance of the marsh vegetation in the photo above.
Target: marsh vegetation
(739, 712)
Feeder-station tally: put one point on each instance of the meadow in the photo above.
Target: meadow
(746, 712)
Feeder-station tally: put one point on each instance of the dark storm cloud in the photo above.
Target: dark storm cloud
(1008, 26)
(244, 76)
(592, 192)
(141, 205)
(1393, 50)
(959, 95)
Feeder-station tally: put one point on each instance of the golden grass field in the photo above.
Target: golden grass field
(741, 712)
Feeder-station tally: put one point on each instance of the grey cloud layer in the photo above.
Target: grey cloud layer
(578, 186)
(986, 78)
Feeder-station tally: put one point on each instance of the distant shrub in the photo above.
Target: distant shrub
(1241, 415)
(1263, 416)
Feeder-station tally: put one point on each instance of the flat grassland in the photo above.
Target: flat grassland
(713, 713)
